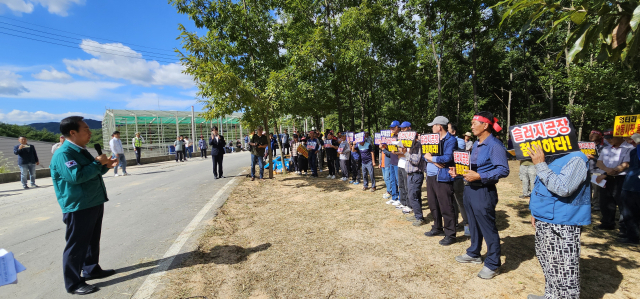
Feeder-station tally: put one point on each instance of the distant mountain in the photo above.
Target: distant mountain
(54, 127)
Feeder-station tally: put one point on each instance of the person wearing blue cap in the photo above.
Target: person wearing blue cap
(391, 165)
(440, 184)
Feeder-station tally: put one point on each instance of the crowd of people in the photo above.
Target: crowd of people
(559, 188)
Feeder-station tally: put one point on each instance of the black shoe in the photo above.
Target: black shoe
(101, 274)
(84, 289)
(433, 233)
(602, 227)
(447, 241)
(628, 241)
(215, 177)
(25, 187)
(222, 177)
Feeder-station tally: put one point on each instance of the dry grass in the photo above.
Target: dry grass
(296, 237)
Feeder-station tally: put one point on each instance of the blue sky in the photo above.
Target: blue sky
(41, 82)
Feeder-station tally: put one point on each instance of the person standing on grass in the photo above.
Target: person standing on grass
(27, 161)
(258, 144)
(391, 165)
(217, 152)
(596, 137)
(285, 142)
(403, 202)
(57, 145)
(137, 146)
(631, 197)
(313, 145)
(303, 162)
(368, 162)
(202, 145)
(355, 163)
(488, 164)
(118, 152)
(613, 161)
(81, 193)
(560, 205)
(345, 154)
(179, 148)
(415, 175)
(440, 184)
(294, 155)
(332, 154)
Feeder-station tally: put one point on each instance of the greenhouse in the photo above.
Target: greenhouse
(161, 128)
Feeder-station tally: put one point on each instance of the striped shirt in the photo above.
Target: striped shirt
(567, 181)
(613, 156)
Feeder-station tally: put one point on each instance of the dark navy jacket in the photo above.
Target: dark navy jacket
(26, 155)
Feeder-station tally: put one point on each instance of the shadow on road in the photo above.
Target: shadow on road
(27, 190)
(220, 255)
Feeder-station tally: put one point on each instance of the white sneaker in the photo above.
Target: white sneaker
(389, 202)
(386, 195)
(333, 177)
(395, 202)
(116, 175)
(329, 176)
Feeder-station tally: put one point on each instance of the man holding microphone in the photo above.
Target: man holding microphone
(81, 193)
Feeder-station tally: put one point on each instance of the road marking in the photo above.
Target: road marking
(149, 285)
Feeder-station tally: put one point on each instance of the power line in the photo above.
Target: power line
(64, 41)
(75, 38)
(76, 47)
(82, 34)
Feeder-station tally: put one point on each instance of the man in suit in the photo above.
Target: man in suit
(217, 152)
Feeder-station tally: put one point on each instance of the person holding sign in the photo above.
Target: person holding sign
(613, 161)
(631, 197)
(440, 184)
(355, 163)
(560, 205)
(294, 154)
(391, 163)
(313, 145)
(415, 175)
(345, 154)
(368, 162)
(331, 148)
(488, 165)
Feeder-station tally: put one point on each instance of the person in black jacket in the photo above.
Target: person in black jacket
(217, 152)
(27, 161)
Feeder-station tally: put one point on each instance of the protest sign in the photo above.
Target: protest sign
(588, 148)
(311, 145)
(359, 137)
(385, 133)
(407, 138)
(328, 144)
(431, 144)
(626, 125)
(389, 142)
(461, 158)
(302, 150)
(554, 135)
(377, 138)
(350, 136)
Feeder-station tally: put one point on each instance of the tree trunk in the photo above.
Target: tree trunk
(265, 122)
(474, 78)
(438, 61)
(509, 103)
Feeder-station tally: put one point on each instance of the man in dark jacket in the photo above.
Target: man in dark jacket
(217, 152)
(27, 161)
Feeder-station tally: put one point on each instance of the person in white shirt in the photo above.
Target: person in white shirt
(468, 143)
(57, 145)
(188, 149)
(118, 152)
(137, 142)
(613, 160)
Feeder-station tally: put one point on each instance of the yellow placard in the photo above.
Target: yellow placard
(626, 125)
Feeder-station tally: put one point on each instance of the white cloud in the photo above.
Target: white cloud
(58, 7)
(78, 90)
(151, 101)
(9, 84)
(53, 75)
(26, 117)
(118, 61)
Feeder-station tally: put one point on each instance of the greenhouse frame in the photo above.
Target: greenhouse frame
(161, 128)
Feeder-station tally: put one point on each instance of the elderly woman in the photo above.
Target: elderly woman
(488, 165)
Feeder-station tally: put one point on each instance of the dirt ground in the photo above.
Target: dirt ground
(298, 237)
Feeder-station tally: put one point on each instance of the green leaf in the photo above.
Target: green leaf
(579, 43)
(578, 17)
(635, 20)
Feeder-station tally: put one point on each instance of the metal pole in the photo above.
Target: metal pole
(177, 127)
(136, 119)
(193, 127)
(126, 133)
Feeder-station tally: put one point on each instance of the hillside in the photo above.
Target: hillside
(54, 127)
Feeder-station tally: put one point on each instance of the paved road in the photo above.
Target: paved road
(146, 212)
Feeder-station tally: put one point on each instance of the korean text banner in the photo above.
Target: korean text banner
(431, 144)
(626, 125)
(588, 148)
(302, 150)
(461, 158)
(389, 142)
(377, 140)
(407, 138)
(350, 136)
(385, 133)
(359, 137)
(554, 135)
(327, 144)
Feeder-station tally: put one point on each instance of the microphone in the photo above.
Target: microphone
(98, 149)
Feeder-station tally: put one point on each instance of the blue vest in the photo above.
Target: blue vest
(572, 210)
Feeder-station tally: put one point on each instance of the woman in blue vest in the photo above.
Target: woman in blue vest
(488, 165)
(560, 205)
